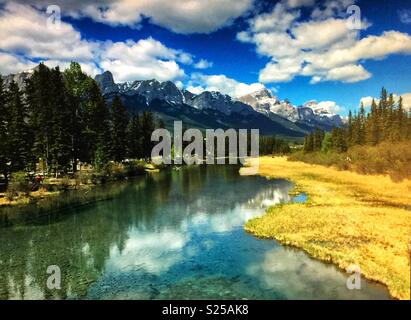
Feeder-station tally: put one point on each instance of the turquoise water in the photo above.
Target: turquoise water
(173, 235)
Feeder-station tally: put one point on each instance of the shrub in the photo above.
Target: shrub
(17, 183)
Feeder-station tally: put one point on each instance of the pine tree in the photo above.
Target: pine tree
(4, 135)
(338, 140)
(318, 136)
(350, 137)
(309, 143)
(61, 140)
(75, 81)
(38, 91)
(19, 150)
(119, 122)
(147, 128)
(373, 125)
(134, 138)
(96, 132)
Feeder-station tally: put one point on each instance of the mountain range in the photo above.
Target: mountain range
(258, 110)
(213, 109)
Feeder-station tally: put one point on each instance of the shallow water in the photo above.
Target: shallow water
(173, 235)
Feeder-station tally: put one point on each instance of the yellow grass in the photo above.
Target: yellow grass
(348, 219)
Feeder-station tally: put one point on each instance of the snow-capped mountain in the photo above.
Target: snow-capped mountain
(264, 102)
(150, 89)
(168, 91)
(311, 113)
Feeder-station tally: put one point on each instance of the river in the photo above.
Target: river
(177, 234)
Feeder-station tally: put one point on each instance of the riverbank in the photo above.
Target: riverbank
(348, 219)
(84, 181)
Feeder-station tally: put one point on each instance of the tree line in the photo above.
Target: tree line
(387, 121)
(61, 118)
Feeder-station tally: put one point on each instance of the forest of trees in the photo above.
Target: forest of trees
(378, 141)
(272, 145)
(62, 118)
(387, 121)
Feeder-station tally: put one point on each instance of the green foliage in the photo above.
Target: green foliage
(18, 183)
(327, 143)
(273, 145)
(4, 134)
(63, 118)
(119, 122)
(373, 143)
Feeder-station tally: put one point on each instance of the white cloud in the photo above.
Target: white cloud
(203, 64)
(222, 83)
(321, 34)
(406, 100)
(346, 74)
(371, 47)
(25, 38)
(329, 106)
(24, 30)
(13, 64)
(182, 16)
(282, 71)
(323, 48)
(142, 60)
(367, 101)
(196, 89)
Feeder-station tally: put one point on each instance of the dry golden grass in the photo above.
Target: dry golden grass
(348, 219)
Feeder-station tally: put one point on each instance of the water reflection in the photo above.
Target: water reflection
(173, 235)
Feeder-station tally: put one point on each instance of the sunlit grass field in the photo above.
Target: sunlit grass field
(348, 219)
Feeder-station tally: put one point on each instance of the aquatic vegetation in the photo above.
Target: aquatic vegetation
(348, 219)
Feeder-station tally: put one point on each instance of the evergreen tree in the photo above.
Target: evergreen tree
(19, 150)
(147, 128)
(75, 81)
(38, 91)
(96, 132)
(318, 136)
(134, 138)
(4, 136)
(61, 137)
(119, 122)
(309, 143)
(373, 125)
(338, 140)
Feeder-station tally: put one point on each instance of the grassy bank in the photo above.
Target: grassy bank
(348, 219)
(20, 192)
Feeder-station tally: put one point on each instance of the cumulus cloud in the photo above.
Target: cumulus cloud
(322, 48)
(182, 16)
(13, 64)
(346, 74)
(329, 106)
(200, 82)
(143, 60)
(367, 101)
(203, 64)
(26, 38)
(24, 30)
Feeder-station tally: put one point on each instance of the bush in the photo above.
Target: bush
(17, 184)
(386, 158)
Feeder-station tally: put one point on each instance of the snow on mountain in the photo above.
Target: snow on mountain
(312, 113)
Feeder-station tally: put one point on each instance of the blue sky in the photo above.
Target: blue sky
(300, 49)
